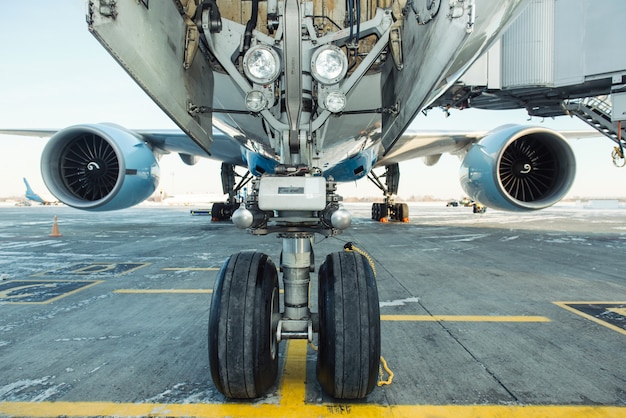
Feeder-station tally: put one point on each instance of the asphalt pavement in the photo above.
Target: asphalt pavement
(482, 314)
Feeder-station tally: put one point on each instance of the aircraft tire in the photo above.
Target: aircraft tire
(384, 211)
(379, 211)
(403, 211)
(349, 333)
(376, 211)
(395, 212)
(243, 351)
(217, 211)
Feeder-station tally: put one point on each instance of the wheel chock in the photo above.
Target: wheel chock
(384, 220)
(55, 229)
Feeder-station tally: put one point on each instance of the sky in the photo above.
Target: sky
(54, 74)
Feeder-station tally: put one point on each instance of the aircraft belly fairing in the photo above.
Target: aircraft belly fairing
(388, 81)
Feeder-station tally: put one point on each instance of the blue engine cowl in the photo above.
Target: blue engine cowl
(519, 168)
(99, 167)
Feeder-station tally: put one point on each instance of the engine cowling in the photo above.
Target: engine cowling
(99, 167)
(519, 168)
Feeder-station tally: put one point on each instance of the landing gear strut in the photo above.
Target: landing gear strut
(222, 211)
(389, 209)
(246, 324)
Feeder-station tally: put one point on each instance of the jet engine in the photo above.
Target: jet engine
(99, 167)
(519, 168)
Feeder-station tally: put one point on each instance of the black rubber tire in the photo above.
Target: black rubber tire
(243, 351)
(376, 211)
(395, 212)
(349, 335)
(379, 211)
(403, 210)
(217, 212)
(384, 211)
(400, 212)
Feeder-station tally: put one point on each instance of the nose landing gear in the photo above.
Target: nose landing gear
(246, 325)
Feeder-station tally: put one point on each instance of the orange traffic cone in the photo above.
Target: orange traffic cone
(55, 229)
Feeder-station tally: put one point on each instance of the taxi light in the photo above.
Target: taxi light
(261, 64)
(255, 101)
(329, 64)
(335, 101)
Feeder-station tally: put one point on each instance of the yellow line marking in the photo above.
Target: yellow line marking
(194, 268)
(565, 305)
(464, 318)
(95, 268)
(85, 270)
(292, 404)
(61, 296)
(190, 268)
(293, 385)
(594, 302)
(619, 311)
(162, 291)
(86, 409)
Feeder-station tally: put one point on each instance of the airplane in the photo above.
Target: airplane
(301, 95)
(31, 195)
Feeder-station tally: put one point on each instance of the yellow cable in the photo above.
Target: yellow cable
(383, 365)
(351, 247)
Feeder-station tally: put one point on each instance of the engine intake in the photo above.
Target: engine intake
(99, 167)
(519, 168)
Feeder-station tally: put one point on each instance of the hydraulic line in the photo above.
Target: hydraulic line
(358, 21)
(247, 38)
(351, 17)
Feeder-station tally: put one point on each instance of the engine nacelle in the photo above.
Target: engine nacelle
(519, 168)
(99, 167)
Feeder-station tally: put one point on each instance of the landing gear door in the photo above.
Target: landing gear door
(154, 43)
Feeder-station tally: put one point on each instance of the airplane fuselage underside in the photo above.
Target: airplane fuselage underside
(357, 84)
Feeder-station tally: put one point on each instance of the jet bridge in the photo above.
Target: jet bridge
(560, 57)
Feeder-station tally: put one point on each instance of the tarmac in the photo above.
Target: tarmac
(496, 314)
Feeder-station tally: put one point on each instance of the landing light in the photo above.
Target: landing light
(335, 101)
(261, 64)
(329, 64)
(255, 101)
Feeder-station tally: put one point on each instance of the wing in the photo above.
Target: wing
(39, 133)
(161, 141)
(429, 145)
(432, 144)
(224, 147)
